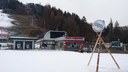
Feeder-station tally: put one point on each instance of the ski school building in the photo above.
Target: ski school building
(60, 40)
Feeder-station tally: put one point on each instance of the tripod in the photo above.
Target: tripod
(100, 41)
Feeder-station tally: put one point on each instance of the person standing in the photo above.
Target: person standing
(81, 48)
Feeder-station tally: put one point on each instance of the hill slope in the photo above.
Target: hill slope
(46, 18)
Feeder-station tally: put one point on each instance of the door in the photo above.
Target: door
(28, 45)
(19, 45)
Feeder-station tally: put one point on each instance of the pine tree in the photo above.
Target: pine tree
(116, 33)
(116, 24)
(110, 26)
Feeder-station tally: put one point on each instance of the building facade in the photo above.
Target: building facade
(60, 40)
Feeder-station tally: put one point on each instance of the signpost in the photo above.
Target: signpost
(98, 27)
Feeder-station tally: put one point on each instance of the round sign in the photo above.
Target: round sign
(98, 25)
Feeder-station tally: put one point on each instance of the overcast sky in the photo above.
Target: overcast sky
(92, 9)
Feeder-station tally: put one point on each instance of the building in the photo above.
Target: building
(21, 43)
(70, 42)
(60, 40)
(3, 38)
(48, 40)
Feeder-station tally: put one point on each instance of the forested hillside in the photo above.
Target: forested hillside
(35, 20)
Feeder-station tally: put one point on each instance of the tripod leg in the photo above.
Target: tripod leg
(110, 53)
(94, 47)
(98, 59)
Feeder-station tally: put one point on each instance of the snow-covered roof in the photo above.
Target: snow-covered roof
(39, 40)
(15, 37)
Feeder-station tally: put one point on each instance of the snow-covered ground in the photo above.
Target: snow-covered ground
(58, 61)
(5, 21)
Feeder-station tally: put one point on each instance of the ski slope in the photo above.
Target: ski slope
(58, 61)
(5, 21)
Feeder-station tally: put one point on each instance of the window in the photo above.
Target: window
(57, 34)
(3, 40)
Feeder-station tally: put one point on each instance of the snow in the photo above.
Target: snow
(5, 21)
(58, 61)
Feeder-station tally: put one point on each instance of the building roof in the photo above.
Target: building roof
(1, 27)
(13, 37)
(5, 35)
(70, 38)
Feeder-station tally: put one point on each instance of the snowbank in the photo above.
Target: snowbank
(58, 61)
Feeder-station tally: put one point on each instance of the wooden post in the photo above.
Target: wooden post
(100, 41)
(95, 47)
(98, 59)
(110, 54)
